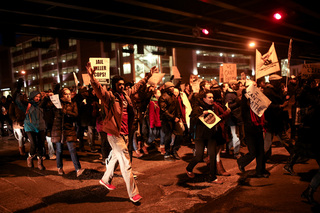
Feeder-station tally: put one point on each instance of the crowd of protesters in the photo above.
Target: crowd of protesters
(131, 119)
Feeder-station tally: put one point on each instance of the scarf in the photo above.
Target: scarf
(256, 120)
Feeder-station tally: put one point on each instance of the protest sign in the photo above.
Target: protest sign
(268, 63)
(210, 119)
(229, 72)
(258, 101)
(196, 85)
(56, 101)
(176, 72)
(310, 70)
(188, 108)
(86, 79)
(155, 79)
(75, 79)
(102, 66)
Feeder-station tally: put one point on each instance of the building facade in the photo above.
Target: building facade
(45, 61)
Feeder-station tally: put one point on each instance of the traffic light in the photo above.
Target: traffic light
(277, 16)
(205, 31)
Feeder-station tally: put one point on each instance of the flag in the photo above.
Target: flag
(267, 63)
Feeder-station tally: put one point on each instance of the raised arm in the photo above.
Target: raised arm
(104, 95)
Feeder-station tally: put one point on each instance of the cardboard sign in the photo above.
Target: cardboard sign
(155, 79)
(176, 72)
(56, 101)
(86, 79)
(310, 70)
(102, 66)
(210, 119)
(229, 72)
(258, 101)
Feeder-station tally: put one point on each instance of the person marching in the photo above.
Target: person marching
(117, 123)
(63, 131)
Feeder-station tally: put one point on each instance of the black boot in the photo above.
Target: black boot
(308, 194)
(289, 166)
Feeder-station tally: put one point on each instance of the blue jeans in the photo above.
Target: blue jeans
(165, 135)
(153, 134)
(74, 157)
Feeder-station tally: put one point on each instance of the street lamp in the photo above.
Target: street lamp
(252, 44)
(23, 72)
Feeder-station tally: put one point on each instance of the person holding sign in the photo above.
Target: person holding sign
(254, 128)
(63, 131)
(117, 124)
(204, 118)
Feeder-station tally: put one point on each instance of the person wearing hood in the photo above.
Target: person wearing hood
(34, 126)
(63, 131)
(169, 115)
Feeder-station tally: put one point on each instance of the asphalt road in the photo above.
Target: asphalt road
(164, 186)
(278, 193)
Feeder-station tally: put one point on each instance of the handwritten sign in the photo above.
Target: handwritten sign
(310, 70)
(229, 72)
(102, 66)
(56, 101)
(258, 101)
(210, 119)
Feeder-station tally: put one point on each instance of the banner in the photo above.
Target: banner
(309, 70)
(229, 72)
(102, 66)
(258, 101)
(210, 119)
(268, 63)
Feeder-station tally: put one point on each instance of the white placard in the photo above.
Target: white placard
(102, 66)
(258, 101)
(210, 119)
(229, 72)
(56, 101)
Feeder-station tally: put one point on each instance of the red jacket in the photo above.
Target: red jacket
(154, 114)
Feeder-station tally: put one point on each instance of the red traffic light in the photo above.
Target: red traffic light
(205, 31)
(277, 16)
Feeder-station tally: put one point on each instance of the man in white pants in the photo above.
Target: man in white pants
(117, 124)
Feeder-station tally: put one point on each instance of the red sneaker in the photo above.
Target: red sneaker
(136, 198)
(190, 174)
(108, 186)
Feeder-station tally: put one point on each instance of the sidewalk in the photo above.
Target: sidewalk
(163, 185)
